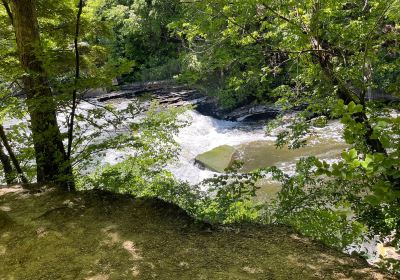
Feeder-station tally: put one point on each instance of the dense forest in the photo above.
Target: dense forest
(256, 113)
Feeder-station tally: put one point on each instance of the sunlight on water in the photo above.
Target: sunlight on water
(255, 147)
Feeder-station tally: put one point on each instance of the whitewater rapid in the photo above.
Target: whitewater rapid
(201, 135)
(206, 133)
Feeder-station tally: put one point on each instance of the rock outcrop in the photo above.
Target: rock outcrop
(253, 113)
(169, 94)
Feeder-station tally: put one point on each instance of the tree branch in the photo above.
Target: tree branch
(12, 155)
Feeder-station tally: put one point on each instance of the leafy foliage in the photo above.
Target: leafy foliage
(140, 34)
(148, 146)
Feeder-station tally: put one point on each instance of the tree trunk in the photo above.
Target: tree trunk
(323, 55)
(8, 10)
(77, 76)
(51, 159)
(14, 159)
(8, 170)
(345, 93)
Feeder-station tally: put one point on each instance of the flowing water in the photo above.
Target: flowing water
(255, 148)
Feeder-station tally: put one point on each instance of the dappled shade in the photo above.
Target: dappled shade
(98, 235)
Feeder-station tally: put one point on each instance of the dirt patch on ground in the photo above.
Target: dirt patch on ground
(95, 235)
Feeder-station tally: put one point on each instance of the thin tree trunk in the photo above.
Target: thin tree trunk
(51, 159)
(9, 174)
(8, 10)
(345, 93)
(10, 152)
(77, 76)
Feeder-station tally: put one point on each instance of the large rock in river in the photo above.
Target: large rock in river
(217, 159)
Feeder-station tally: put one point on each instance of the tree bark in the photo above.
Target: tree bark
(51, 159)
(324, 59)
(10, 152)
(8, 170)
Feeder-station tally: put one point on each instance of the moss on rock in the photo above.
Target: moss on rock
(218, 159)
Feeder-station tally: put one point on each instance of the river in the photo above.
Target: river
(255, 147)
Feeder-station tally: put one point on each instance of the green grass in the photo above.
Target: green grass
(96, 235)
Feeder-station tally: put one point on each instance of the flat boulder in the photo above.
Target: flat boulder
(217, 159)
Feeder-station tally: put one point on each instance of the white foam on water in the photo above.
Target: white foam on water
(205, 133)
(201, 135)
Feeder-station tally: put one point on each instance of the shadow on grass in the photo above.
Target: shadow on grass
(97, 235)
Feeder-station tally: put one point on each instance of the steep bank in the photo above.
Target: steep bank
(95, 235)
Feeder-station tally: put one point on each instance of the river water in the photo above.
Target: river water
(255, 147)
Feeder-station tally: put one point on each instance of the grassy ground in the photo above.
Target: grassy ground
(99, 236)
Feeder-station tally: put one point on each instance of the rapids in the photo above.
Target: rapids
(256, 148)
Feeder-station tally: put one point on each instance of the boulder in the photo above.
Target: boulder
(218, 159)
(95, 92)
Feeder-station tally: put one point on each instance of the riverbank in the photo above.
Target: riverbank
(96, 235)
(169, 93)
